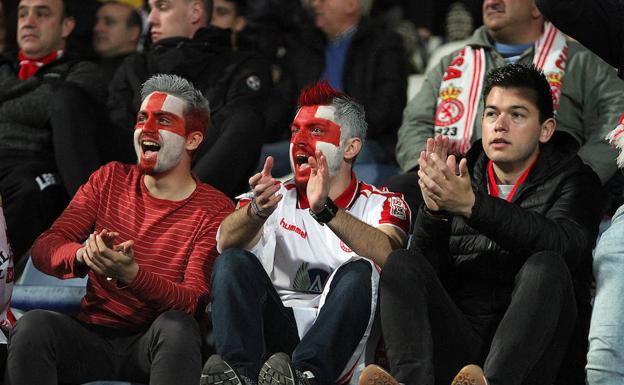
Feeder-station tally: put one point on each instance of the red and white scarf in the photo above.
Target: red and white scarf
(30, 66)
(462, 85)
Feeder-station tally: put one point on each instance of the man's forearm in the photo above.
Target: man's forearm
(365, 240)
(240, 229)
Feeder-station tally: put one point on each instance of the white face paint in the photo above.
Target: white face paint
(170, 153)
(314, 129)
(160, 133)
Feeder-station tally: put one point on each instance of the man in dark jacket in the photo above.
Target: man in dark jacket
(234, 83)
(35, 165)
(497, 256)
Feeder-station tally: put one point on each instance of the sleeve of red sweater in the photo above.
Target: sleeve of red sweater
(194, 290)
(54, 252)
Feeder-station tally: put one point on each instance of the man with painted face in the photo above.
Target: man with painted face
(298, 270)
(145, 236)
(235, 82)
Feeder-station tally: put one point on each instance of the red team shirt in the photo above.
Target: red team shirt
(174, 246)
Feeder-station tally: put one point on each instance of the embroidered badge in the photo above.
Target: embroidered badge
(450, 110)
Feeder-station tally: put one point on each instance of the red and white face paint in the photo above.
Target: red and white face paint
(160, 133)
(314, 128)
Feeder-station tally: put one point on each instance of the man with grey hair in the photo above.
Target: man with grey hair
(235, 82)
(297, 275)
(145, 236)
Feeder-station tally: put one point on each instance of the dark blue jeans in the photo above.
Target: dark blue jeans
(250, 323)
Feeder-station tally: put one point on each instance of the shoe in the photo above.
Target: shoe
(218, 372)
(376, 375)
(279, 370)
(470, 375)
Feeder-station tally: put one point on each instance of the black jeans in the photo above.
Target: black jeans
(429, 338)
(33, 197)
(250, 322)
(50, 348)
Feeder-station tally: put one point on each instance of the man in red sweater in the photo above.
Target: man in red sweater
(145, 235)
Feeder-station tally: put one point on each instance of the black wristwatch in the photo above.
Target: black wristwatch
(327, 214)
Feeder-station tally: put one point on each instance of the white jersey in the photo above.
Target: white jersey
(6, 281)
(299, 254)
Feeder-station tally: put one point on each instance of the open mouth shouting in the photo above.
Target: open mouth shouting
(149, 147)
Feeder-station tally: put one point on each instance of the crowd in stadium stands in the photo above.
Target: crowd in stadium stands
(279, 192)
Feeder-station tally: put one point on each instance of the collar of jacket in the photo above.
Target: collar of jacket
(555, 156)
(315, 38)
(211, 37)
(10, 59)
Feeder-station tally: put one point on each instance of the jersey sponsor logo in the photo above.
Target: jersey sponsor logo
(397, 208)
(345, 248)
(294, 228)
(310, 280)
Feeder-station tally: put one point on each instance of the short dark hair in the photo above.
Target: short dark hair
(526, 77)
(67, 9)
(208, 10)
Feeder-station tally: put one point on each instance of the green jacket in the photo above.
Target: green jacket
(591, 103)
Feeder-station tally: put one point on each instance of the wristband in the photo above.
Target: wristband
(255, 210)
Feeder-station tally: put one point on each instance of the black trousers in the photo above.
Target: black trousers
(50, 348)
(429, 338)
(32, 198)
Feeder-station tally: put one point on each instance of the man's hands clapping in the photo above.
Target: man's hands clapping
(441, 187)
(108, 259)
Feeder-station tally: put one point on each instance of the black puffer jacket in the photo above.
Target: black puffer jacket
(557, 208)
(26, 105)
(235, 83)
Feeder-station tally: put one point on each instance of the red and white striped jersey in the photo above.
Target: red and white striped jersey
(299, 254)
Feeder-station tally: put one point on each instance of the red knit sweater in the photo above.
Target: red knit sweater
(174, 246)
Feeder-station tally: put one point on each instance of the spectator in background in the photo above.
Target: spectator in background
(116, 35)
(356, 56)
(150, 244)
(36, 165)
(599, 26)
(229, 14)
(235, 83)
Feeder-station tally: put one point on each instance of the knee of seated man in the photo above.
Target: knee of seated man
(234, 263)
(33, 328)
(34, 184)
(176, 324)
(545, 265)
(356, 274)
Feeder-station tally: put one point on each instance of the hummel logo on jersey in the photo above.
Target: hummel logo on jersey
(293, 228)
